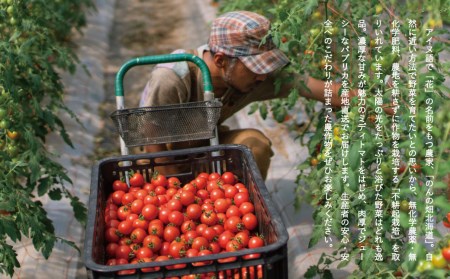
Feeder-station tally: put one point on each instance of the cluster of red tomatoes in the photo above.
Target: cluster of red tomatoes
(162, 219)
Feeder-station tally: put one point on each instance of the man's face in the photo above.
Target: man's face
(238, 76)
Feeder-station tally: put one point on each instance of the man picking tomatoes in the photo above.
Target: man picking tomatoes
(244, 63)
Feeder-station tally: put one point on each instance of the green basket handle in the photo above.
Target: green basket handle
(166, 58)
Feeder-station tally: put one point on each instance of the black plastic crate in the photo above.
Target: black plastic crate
(235, 158)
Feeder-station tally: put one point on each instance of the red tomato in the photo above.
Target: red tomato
(137, 180)
(218, 228)
(243, 238)
(164, 251)
(255, 242)
(200, 243)
(191, 253)
(209, 233)
(113, 223)
(216, 194)
(162, 199)
(240, 198)
(111, 215)
(160, 190)
(140, 223)
(203, 194)
(230, 191)
(190, 235)
(117, 197)
(221, 218)
(214, 184)
(214, 247)
(224, 238)
(190, 187)
(214, 176)
(151, 199)
(119, 185)
(136, 206)
(228, 177)
(241, 187)
(111, 249)
(200, 228)
(125, 227)
(187, 197)
(146, 269)
(153, 242)
(249, 220)
(149, 212)
(234, 224)
(170, 233)
(188, 226)
(125, 241)
(128, 198)
(173, 182)
(132, 216)
(209, 218)
(446, 253)
(233, 210)
(200, 182)
(193, 211)
(177, 249)
(164, 215)
(112, 235)
(172, 193)
(123, 212)
(174, 205)
(144, 252)
(156, 228)
(138, 235)
(148, 187)
(233, 245)
(124, 252)
(246, 207)
(176, 218)
(159, 180)
(203, 253)
(140, 194)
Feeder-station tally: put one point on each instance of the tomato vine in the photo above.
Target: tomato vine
(35, 44)
(299, 29)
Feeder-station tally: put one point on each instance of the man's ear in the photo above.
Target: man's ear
(220, 60)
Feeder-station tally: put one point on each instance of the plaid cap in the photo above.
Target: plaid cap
(240, 34)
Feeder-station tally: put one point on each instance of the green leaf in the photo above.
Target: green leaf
(442, 203)
(43, 186)
(10, 228)
(367, 262)
(253, 108)
(316, 235)
(311, 272)
(354, 155)
(55, 194)
(79, 210)
(327, 274)
(263, 110)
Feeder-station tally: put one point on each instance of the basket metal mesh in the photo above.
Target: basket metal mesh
(167, 123)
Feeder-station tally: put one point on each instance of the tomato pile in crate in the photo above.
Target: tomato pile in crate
(211, 218)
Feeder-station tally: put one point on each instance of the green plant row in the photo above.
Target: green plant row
(406, 170)
(34, 46)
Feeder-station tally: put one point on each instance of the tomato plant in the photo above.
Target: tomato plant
(35, 49)
(354, 142)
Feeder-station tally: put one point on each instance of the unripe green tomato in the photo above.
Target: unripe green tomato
(12, 149)
(424, 266)
(10, 10)
(4, 124)
(2, 113)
